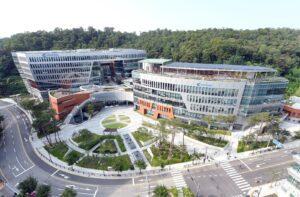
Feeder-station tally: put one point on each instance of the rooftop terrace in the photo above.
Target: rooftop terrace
(218, 67)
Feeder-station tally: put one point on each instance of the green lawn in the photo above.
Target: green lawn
(111, 122)
(121, 143)
(147, 155)
(115, 125)
(120, 163)
(58, 150)
(160, 155)
(124, 118)
(108, 147)
(109, 119)
(72, 157)
(209, 140)
(243, 146)
(142, 135)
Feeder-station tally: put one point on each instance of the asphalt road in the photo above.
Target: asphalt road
(215, 180)
(18, 161)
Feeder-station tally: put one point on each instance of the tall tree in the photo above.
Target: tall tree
(43, 191)
(27, 186)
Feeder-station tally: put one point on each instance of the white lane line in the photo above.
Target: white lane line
(24, 171)
(96, 192)
(19, 163)
(245, 164)
(133, 181)
(54, 172)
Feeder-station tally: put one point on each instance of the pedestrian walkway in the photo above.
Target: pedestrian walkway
(178, 179)
(241, 183)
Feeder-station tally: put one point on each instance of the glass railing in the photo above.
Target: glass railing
(293, 181)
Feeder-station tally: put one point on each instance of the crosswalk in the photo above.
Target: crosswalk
(178, 179)
(241, 183)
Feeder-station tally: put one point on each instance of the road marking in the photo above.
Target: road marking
(19, 132)
(258, 165)
(287, 162)
(245, 164)
(178, 179)
(19, 163)
(54, 172)
(24, 171)
(133, 181)
(96, 192)
(245, 189)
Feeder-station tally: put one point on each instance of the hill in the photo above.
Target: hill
(277, 48)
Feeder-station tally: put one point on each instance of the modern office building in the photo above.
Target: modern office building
(191, 91)
(42, 71)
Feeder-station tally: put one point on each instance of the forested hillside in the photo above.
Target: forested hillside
(277, 48)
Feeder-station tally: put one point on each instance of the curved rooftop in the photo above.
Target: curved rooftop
(218, 67)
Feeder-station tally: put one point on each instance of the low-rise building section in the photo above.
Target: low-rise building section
(292, 108)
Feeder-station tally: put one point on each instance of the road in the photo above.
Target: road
(18, 161)
(235, 178)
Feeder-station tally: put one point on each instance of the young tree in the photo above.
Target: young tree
(69, 192)
(27, 186)
(209, 120)
(43, 191)
(161, 191)
(141, 165)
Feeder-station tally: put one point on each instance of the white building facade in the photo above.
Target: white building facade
(191, 91)
(42, 71)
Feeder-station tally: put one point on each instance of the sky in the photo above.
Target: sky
(17, 16)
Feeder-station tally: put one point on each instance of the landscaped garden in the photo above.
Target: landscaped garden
(107, 147)
(57, 150)
(60, 150)
(209, 140)
(142, 135)
(119, 163)
(161, 153)
(116, 121)
(88, 140)
(251, 145)
(72, 157)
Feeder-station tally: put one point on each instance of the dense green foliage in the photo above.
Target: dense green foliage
(88, 140)
(160, 154)
(278, 48)
(119, 163)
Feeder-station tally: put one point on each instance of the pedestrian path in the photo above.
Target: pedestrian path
(178, 179)
(241, 183)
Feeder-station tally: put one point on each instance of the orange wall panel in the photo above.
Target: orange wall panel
(64, 105)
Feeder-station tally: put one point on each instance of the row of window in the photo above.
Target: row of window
(211, 100)
(80, 58)
(47, 77)
(60, 65)
(191, 89)
(65, 70)
(211, 109)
